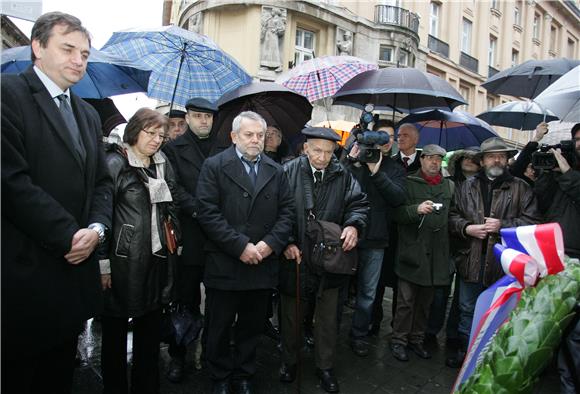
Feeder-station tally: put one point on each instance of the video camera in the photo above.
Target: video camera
(544, 160)
(369, 140)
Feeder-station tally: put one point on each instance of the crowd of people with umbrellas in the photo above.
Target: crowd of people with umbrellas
(226, 188)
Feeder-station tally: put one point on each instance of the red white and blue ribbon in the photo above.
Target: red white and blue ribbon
(526, 254)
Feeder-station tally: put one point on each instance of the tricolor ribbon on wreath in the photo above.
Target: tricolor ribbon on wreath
(527, 253)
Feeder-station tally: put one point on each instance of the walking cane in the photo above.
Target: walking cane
(299, 323)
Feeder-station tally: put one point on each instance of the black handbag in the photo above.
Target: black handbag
(323, 247)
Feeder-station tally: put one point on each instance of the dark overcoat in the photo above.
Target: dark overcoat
(232, 213)
(48, 194)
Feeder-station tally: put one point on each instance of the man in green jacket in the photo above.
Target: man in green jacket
(423, 258)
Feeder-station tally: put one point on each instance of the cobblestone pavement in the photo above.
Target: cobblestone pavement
(379, 373)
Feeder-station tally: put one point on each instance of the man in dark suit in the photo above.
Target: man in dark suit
(56, 206)
(407, 140)
(187, 154)
(246, 209)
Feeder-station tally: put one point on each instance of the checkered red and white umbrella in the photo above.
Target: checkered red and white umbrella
(322, 76)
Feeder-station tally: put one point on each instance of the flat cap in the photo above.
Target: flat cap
(323, 133)
(201, 105)
(432, 150)
(175, 113)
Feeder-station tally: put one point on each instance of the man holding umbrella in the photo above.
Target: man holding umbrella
(337, 198)
(187, 154)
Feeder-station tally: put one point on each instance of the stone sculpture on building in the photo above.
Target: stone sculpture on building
(273, 29)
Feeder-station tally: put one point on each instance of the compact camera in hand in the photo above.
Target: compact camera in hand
(437, 206)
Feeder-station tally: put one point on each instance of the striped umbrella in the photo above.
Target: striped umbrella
(322, 76)
(184, 64)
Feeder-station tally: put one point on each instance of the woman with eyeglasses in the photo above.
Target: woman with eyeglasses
(137, 262)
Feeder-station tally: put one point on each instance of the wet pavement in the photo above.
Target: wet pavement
(379, 373)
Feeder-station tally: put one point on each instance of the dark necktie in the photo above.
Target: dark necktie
(317, 182)
(406, 162)
(252, 172)
(71, 123)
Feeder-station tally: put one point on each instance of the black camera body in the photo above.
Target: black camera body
(544, 160)
(368, 140)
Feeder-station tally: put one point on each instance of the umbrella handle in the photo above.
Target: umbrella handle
(178, 73)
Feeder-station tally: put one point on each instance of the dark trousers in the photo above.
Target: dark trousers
(50, 371)
(325, 332)
(413, 306)
(145, 362)
(439, 308)
(223, 306)
(188, 282)
(388, 278)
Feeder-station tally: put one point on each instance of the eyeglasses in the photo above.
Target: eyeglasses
(153, 134)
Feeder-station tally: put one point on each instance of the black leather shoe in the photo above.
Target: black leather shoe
(287, 373)
(175, 370)
(244, 387)
(399, 352)
(359, 347)
(457, 360)
(419, 350)
(327, 380)
(221, 387)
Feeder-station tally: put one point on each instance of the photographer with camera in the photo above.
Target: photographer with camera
(384, 184)
(482, 205)
(558, 193)
(423, 258)
(522, 167)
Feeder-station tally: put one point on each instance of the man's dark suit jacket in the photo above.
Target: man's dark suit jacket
(47, 195)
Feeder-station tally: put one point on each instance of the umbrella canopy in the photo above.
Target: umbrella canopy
(403, 89)
(450, 130)
(107, 75)
(342, 128)
(563, 96)
(522, 115)
(322, 76)
(277, 104)
(110, 115)
(184, 64)
(529, 78)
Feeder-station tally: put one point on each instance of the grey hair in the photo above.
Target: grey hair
(42, 29)
(237, 123)
(409, 126)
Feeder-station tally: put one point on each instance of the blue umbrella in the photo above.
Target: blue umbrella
(184, 64)
(106, 75)
(450, 130)
(522, 115)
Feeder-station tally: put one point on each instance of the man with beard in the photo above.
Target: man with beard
(484, 203)
(187, 154)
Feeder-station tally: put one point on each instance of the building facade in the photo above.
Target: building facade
(463, 42)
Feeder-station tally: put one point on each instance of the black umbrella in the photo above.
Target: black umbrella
(277, 104)
(109, 114)
(401, 89)
(522, 115)
(529, 78)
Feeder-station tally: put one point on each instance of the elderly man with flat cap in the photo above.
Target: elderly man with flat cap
(335, 197)
(423, 244)
(187, 154)
(177, 123)
(483, 204)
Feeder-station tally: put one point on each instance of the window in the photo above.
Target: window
(515, 57)
(466, 37)
(553, 37)
(492, 51)
(403, 58)
(490, 102)
(465, 92)
(536, 27)
(386, 53)
(495, 4)
(304, 49)
(434, 19)
(517, 16)
(571, 48)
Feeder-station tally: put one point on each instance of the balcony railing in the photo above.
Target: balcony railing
(436, 45)
(390, 15)
(469, 62)
(491, 71)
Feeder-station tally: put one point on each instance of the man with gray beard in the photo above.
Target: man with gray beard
(483, 204)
